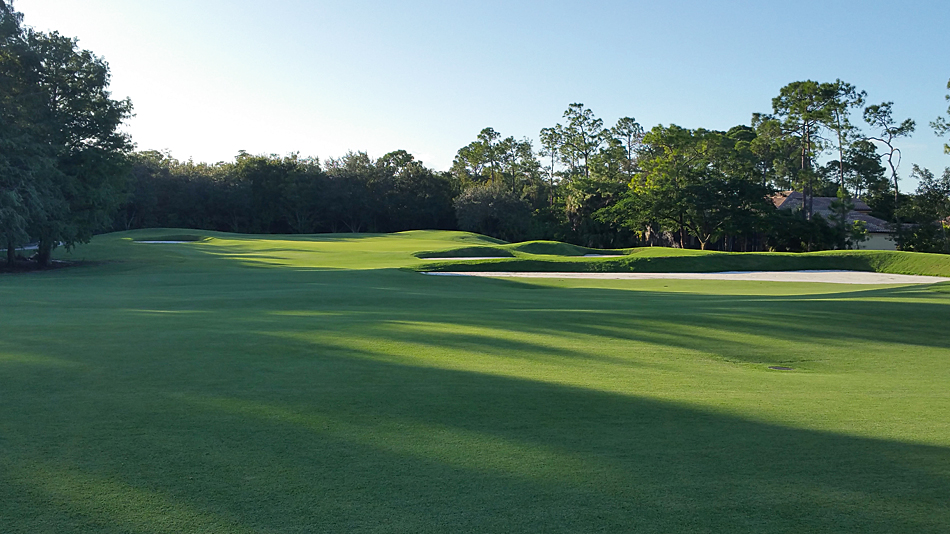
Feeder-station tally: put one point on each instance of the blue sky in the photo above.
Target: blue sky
(211, 77)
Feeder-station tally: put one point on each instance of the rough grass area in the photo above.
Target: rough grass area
(663, 260)
(318, 384)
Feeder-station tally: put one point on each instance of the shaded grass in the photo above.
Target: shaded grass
(260, 385)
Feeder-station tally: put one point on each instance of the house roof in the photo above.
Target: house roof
(792, 200)
(873, 224)
(787, 200)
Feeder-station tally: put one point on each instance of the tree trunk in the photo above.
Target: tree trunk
(11, 253)
(44, 253)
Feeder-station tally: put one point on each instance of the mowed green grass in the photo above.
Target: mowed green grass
(318, 384)
(546, 256)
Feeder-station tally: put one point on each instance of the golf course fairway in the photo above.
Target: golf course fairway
(223, 383)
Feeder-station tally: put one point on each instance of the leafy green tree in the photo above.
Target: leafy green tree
(941, 125)
(929, 211)
(788, 232)
(630, 135)
(844, 98)
(881, 118)
(508, 162)
(27, 162)
(491, 209)
(776, 155)
(300, 194)
(80, 121)
(804, 109)
(478, 161)
(697, 182)
(863, 171)
(550, 150)
(580, 139)
(350, 203)
(417, 198)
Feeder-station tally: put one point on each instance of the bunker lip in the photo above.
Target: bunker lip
(463, 258)
(830, 277)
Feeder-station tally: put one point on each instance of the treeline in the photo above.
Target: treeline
(588, 184)
(621, 185)
(272, 194)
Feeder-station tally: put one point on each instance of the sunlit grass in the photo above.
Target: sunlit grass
(317, 383)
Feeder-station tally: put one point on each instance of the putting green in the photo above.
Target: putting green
(318, 384)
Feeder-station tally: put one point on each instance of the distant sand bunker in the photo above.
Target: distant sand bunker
(830, 277)
(462, 258)
(165, 242)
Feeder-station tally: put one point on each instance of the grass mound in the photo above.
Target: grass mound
(526, 249)
(467, 252)
(658, 260)
(188, 238)
(557, 248)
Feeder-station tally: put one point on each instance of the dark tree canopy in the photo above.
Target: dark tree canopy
(63, 157)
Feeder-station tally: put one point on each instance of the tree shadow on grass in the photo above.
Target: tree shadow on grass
(215, 421)
(429, 450)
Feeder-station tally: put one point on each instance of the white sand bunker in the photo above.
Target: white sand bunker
(831, 277)
(461, 258)
(165, 242)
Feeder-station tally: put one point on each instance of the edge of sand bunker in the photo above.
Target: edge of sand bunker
(828, 277)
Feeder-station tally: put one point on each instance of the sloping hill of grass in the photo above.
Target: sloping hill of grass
(530, 248)
(557, 248)
(416, 249)
(658, 260)
(467, 252)
(170, 237)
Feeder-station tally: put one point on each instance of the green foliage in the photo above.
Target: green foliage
(289, 194)
(585, 199)
(507, 162)
(81, 122)
(698, 182)
(928, 213)
(62, 158)
(790, 232)
(27, 163)
(941, 126)
(881, 118)
(492, 210)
